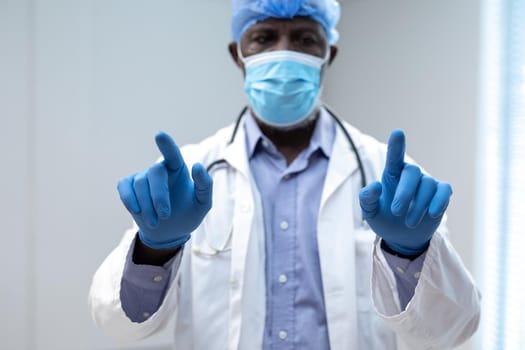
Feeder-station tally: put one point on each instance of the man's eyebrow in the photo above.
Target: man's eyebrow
(307, 29)
(261, 27)
(266, 28)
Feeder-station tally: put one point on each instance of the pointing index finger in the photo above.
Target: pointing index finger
(395, 156)
(171, 153)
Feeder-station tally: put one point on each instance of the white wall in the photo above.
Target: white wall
(84, 86)
(16, 187)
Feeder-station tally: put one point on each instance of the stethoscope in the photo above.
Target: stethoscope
(220, 163)
(223, 164)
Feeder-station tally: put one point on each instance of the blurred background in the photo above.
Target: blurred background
(86, 84)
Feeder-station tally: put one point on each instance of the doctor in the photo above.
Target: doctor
(264, 245)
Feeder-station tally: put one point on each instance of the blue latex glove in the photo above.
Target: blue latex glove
(406, 207)
(164, 201)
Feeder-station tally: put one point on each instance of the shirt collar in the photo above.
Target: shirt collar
(322, 137)
(253, 133)
(324, 133)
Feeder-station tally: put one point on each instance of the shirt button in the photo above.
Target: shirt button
(282, 279)
(157, 278)
(286, 177)
(264, 143)
(400, 269)
(283, 225)
(416, 275)
(283, 335)
(146, 314)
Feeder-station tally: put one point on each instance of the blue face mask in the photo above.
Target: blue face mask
(283, 86)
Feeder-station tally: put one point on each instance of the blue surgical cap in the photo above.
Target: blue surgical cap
(248, 12)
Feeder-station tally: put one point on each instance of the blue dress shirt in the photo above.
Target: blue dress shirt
(291, 197)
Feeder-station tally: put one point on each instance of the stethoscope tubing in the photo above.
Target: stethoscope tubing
(217, 162)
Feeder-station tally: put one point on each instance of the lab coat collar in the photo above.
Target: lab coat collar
(235, 152)
(343, 163)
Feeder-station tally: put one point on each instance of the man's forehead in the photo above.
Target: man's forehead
(295, 23)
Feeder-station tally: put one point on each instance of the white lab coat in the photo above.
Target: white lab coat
(217, 290)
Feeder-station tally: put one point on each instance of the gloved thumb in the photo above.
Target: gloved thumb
(203, 185)
(369, 199)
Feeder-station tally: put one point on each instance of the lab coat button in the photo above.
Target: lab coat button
(157, 278)
(282, 279)
(283, 335)
(286, 177)
(245, 207)
(283, 225)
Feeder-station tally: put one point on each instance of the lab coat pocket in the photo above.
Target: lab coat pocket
(364, 243)
(364, 240)
(375, 334)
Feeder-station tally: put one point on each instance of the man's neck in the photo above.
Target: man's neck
(290, 142)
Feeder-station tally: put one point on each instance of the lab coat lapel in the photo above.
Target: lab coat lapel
(247, 252)
(336, 243)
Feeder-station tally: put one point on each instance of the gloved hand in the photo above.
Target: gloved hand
(406, 207)
(164, 202)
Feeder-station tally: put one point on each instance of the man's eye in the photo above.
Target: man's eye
(261, 39)
(308, 40)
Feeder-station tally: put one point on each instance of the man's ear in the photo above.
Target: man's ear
(232, 48)
(333, 54)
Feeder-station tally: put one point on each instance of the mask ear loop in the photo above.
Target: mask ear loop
(239, 53)
(323, 69)
(327, 55)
